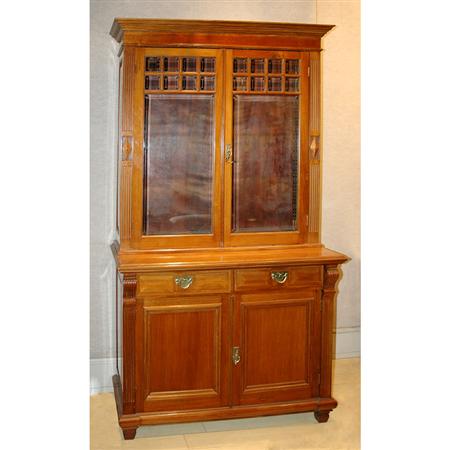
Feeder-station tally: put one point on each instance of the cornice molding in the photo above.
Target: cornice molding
(123, 25)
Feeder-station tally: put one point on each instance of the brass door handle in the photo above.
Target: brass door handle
(184, 282)
(280, 277)
(229, 153)
(236, 356)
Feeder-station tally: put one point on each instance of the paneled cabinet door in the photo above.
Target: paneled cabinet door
(183, 356)
(276, 346)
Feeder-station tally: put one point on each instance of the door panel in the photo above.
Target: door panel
(185, 353)
(278, 338)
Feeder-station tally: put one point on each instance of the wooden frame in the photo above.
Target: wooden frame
(268, 238)
(138, 239)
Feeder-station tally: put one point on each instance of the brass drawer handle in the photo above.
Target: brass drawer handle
(184, 282)
(279, 277)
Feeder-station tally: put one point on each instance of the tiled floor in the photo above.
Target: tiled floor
(286, 432)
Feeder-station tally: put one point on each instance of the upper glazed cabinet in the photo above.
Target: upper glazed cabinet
(219, 147)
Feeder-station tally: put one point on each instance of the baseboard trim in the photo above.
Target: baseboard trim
(347, 345)
(102, 371)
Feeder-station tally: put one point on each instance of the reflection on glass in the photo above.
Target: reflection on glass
(171, 83)
(152, 64)
(275, 65)
(171, 64)
(257, 65)
(189, 64)
(178, 164)
(189, 83)
(152, 83)
(240, 83)
(274, 84)
(292, 84)
(257, 84)
(266, 149)
(292, 66)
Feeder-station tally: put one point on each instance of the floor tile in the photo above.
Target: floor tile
(170, 429)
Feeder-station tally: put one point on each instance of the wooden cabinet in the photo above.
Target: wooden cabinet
(225, 292)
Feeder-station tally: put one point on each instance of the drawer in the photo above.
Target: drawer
(288, 277)
(186, 282)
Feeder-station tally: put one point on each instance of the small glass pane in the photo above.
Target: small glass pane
(266, 153)
(206, 83)
(240, 65)
(240, 83)
(178, 164)
(208, 65)
(170, 83)
(257, 65)
(292, 84)
(152, 83)
(153, 64)
(189, 83)
(257, 84)
(275, 65)
(189, 64)
(292, 66)
(274, 84)
(171, 64)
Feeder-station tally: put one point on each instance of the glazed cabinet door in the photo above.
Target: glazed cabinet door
(266, 147)
(177, 192)
(276, 346)
(183, 358)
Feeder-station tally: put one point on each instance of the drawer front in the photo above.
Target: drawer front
(278, 278)
(186, 282)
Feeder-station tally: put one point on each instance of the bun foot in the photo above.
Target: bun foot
(322, 416)
(129, 433)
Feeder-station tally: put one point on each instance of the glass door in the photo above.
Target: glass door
(266, 147)
(178, 120)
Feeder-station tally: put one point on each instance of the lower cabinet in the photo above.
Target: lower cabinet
(213, 344)
(216, 350)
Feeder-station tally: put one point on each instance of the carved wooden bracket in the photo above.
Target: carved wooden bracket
(129, 286)
(331, 277)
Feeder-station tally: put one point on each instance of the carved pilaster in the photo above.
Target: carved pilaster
(129, 59)
(128, 87)
(125, 199)
(128, 351)
(331, 276)
(314, 148)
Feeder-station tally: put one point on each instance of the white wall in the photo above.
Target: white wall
(341, 160)
(340, 226)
